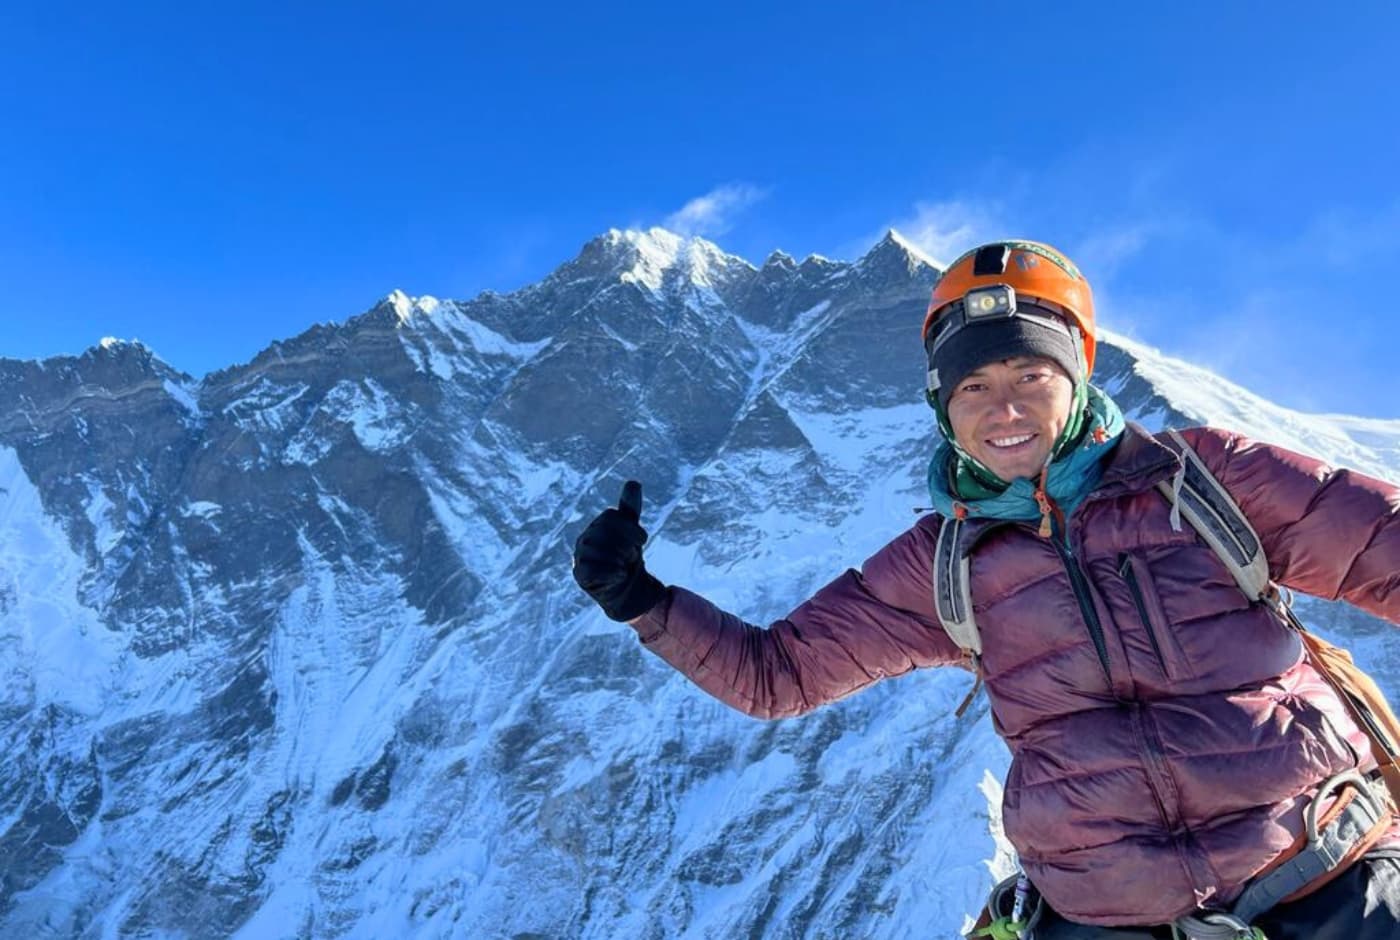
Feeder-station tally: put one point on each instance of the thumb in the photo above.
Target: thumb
(630, 503)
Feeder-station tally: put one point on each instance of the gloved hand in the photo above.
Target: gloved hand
(608, 559)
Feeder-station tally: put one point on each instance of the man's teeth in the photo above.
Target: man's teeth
(1011, 441)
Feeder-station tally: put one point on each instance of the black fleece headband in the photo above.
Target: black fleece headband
(977, 344)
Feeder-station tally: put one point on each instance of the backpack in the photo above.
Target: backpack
(1198, 497)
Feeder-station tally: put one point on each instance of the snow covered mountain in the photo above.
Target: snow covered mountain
(294, 650)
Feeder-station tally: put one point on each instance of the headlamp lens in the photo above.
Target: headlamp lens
(999, 301)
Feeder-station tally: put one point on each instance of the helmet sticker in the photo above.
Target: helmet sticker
(1024, 260)
(1049, 254)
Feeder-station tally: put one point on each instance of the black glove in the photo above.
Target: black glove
(608, 559)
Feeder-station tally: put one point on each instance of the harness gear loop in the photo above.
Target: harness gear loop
(1330, 847)
(1215, 926)
(1328, 786)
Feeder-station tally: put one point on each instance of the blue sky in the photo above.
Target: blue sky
(210, 179)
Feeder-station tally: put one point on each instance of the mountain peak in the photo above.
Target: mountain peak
(897, 246)
(405, 308)
(894, 259)
(649, 257)
(124, 348)
(125, 354)
(781, 259)
(665, 246)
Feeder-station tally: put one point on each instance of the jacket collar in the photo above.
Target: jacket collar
(1138, 463)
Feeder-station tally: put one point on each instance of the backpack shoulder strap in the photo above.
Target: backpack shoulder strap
(1196, 495)
(952, 589)
(952, 598)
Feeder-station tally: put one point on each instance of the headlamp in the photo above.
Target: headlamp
(990, 302)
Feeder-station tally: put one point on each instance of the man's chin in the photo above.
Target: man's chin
(1029, 470)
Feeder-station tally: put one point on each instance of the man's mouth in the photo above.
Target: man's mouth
(1014, 440)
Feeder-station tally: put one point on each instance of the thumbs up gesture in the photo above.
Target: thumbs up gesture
(608, 559)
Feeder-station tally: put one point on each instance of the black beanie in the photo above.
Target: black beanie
(977, 344)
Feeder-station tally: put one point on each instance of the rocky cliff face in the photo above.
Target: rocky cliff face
(293, 651)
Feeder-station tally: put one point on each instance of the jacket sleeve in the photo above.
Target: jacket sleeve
(1329, 532)
(864, 626)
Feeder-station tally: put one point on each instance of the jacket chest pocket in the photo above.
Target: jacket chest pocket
(1148, 606)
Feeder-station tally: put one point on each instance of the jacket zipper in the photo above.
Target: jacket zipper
(1156, 773)
(1060, 539)
(1086, 606)
(1125, 569)
(1158, 783)
(1148, 746)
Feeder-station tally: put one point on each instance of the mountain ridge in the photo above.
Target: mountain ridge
(308, 659)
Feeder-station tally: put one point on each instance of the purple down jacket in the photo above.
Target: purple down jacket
(1156, 766)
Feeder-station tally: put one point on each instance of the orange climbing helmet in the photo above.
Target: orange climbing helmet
(990, 281)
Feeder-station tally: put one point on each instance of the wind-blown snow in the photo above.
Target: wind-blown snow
(915, 250)
(1366, 444)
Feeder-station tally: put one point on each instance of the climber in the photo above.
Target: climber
(1181, 765)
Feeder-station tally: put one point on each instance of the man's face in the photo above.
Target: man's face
(1008, 414)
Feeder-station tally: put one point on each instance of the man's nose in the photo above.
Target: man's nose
(1007, 402)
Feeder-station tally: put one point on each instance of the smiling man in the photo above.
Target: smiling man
(1181, 766)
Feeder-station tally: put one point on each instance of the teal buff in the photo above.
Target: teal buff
(1072, 475)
